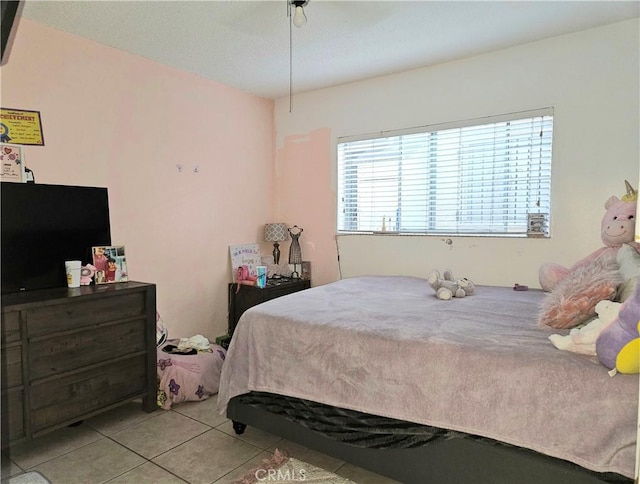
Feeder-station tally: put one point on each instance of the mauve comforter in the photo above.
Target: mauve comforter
(385, 345)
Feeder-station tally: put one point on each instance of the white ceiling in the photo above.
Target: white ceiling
(245, 44)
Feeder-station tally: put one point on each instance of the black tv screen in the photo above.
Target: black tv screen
(9, 13)
(44, 225)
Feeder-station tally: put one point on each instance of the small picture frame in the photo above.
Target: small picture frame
(110, 263)
(305, 271)
(11, 163)
(244, 255)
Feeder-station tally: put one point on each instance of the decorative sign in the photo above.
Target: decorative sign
(245, 255)
(12, 166)
(20, 127)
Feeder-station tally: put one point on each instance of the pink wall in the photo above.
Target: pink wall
(306, 198)
(118, 120)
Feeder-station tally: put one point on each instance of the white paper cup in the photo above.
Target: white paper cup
(262, 276)
(72, 268)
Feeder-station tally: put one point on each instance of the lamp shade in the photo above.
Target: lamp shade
(275, 232)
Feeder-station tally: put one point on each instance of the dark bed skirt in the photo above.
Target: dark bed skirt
(404, 451)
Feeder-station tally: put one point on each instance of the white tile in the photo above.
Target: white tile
(159, 434)
(147, 473)
(120, 418)
(96, 462)
(181, 442)
(207, 457)
(54, 444)
(246, 469)
(203, 411)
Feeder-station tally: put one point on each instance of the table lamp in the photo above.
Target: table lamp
(276, 233)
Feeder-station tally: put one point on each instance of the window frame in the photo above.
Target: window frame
(536, 223)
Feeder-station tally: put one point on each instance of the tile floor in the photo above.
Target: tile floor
(191, 443)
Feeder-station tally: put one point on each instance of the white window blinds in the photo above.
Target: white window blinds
(478, 177)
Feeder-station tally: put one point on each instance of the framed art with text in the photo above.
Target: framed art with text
(245, 255)
(21, 127)
(12, 163)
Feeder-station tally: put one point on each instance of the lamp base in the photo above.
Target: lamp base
(276, 253)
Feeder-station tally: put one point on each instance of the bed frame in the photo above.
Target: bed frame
(455, 461)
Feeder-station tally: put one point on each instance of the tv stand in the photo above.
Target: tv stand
(70, 354)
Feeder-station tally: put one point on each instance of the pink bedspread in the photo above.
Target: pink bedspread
(386, 346)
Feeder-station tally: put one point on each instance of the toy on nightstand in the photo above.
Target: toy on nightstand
(86, 274)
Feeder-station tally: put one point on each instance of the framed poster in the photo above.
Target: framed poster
(245, 255)
(12, 163)
(20, 127)
(110, 263)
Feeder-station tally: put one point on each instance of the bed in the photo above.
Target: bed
(468, 390)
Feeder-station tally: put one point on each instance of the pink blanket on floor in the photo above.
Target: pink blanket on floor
(184, 378)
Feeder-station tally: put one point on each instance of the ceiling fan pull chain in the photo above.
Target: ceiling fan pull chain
(290, 62)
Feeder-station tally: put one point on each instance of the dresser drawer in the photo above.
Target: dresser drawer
(63, 317)
(70, 398)
(10, 327)
(12, 363)
(58, 354)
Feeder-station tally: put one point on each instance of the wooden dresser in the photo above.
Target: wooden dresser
(69, 354)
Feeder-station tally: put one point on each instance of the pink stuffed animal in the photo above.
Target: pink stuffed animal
(617, 228)
(86, 274)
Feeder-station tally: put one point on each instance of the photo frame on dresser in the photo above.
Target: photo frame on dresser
(110, 263)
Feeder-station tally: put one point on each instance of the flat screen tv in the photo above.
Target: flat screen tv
(44, 225)
(9, 13)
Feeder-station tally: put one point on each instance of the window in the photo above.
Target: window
(480, 177)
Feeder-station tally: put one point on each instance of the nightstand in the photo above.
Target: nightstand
(249, 296)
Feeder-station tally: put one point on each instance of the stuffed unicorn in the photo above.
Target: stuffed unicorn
(617, 228)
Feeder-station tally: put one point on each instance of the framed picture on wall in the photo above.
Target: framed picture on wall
(110, 263)
(305, 271)
(12, 163)
(21, 127)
